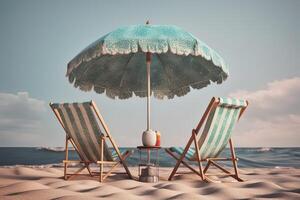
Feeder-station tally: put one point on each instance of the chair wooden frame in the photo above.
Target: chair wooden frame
(101, 162)
(209, 161)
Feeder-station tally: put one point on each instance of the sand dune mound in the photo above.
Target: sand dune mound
(160, 193)
(104, 190)
(34, 173)
(121, 195)
(19, 187)
(77, 197)
(175, 187)
(189, 196)
(44, 193)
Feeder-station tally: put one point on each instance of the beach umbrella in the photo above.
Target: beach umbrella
(142, 60)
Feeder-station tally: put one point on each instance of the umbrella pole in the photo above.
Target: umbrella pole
(148, 62)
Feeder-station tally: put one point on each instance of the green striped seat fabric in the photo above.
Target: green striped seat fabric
(232, 102)
(218, 128)
(80, 124)
(189, 155)
(115, 155)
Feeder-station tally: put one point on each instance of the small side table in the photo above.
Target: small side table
(149, 168)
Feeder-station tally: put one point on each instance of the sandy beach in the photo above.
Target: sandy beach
(47, 183)
(142, 85)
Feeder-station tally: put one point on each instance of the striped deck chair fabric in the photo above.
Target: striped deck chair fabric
(81, 125)
(217, 131)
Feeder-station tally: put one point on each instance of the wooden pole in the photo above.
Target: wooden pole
(148, 61)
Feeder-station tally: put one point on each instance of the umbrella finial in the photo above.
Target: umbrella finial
(148, 22)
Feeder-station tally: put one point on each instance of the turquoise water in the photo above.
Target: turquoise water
(248, 157)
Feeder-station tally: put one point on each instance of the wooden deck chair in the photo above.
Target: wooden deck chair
(218, 122)
(79, 120)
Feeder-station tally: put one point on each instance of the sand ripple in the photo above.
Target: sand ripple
(47, 183)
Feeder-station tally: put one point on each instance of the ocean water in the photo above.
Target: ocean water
(248, 157)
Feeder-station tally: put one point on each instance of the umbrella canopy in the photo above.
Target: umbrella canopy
(115, 63)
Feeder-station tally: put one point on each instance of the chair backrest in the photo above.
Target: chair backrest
(81, 126)
(221, 119)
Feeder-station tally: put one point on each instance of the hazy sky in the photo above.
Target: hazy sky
(260, 40)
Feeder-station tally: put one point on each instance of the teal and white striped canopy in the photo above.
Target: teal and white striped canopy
(115, 63)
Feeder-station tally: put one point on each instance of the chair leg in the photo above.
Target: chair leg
(124, 157)
(101, 173)
(234, 161)
(101, 159)
(122, 161)
(183, 162)
(198, 157)
(207, 166)
(66, 157)
(65, 171)
(89, 170)
(179, 161)
(76, 173)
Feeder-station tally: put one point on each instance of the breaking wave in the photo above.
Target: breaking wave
(264, 149)
(53, 149)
